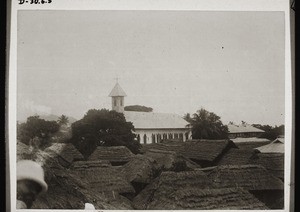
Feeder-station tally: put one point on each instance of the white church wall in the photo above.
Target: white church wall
(161, 134)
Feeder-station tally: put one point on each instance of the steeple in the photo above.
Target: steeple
(117, 96)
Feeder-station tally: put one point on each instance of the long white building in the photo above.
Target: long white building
(151, 127)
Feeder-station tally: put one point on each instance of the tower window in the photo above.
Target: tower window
(121, 102)
(115, 102)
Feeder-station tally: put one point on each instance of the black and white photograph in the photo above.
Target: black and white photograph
(149, 109)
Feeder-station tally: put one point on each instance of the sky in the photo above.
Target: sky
(229, 63)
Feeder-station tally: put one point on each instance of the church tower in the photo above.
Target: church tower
(117, 96)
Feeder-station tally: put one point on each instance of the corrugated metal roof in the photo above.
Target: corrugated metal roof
(149, 120)
(243, 128)
(277, 146)
(117, 91)
(252, 139)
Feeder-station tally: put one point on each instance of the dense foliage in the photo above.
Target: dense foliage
(139, 108)
(36, 129)
(206, 125)
(103, 128)
(270, 132)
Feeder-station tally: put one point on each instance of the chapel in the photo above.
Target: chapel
(151, 127)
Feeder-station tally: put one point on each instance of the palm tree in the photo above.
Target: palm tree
(207, 125)
(63, 120)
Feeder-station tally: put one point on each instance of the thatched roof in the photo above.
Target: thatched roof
(106, 180)
(164, 146)
(273, 162)
(112, 154)
(171, 160)
(250, 145)
(206, 150)
(66, 191)
(236, 157)
(78, 165)
(250, 177)
(140, 169)
(206, 199)
(192, 190)
(199, 150)
(168, 182)
(195, 179)
(67, 151)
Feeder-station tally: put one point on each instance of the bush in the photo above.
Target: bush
(36, 131)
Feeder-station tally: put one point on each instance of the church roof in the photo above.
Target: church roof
(149, 120)
(117, 91)
(243, 128)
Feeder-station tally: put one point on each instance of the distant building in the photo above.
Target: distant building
(151, 127)
(277, 146)
(243, 130)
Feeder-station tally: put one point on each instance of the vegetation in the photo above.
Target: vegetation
(36, 131)
(103, 128)
(270, 132)
(139, 108)
(206, 125)
(63, 120)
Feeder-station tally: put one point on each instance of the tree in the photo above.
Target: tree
(103, 128)
(139, 108)
(36, 129)
(63, 120)
(187, 117)
(207, 125)
(270, 133)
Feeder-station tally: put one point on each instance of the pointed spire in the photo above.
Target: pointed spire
(117, 91)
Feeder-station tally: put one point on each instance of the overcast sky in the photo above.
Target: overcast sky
(230, 63)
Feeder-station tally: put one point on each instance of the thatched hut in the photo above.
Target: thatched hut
(192, 190)
(206, 152)
(66, 191)
(237, 157)
(171, 160)
(139, 169)
(66, 153)
(206, 199)
(116, 155)
(106, 180)
(168, 182)
(254, 178)
(273, 162)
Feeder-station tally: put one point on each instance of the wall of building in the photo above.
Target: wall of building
(244, 135)
(118, 103)
(148, 136)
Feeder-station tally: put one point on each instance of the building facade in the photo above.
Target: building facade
(151, 127)
(243, 131)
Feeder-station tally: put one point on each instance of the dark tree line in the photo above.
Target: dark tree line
(139, 108)
(270, 133)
